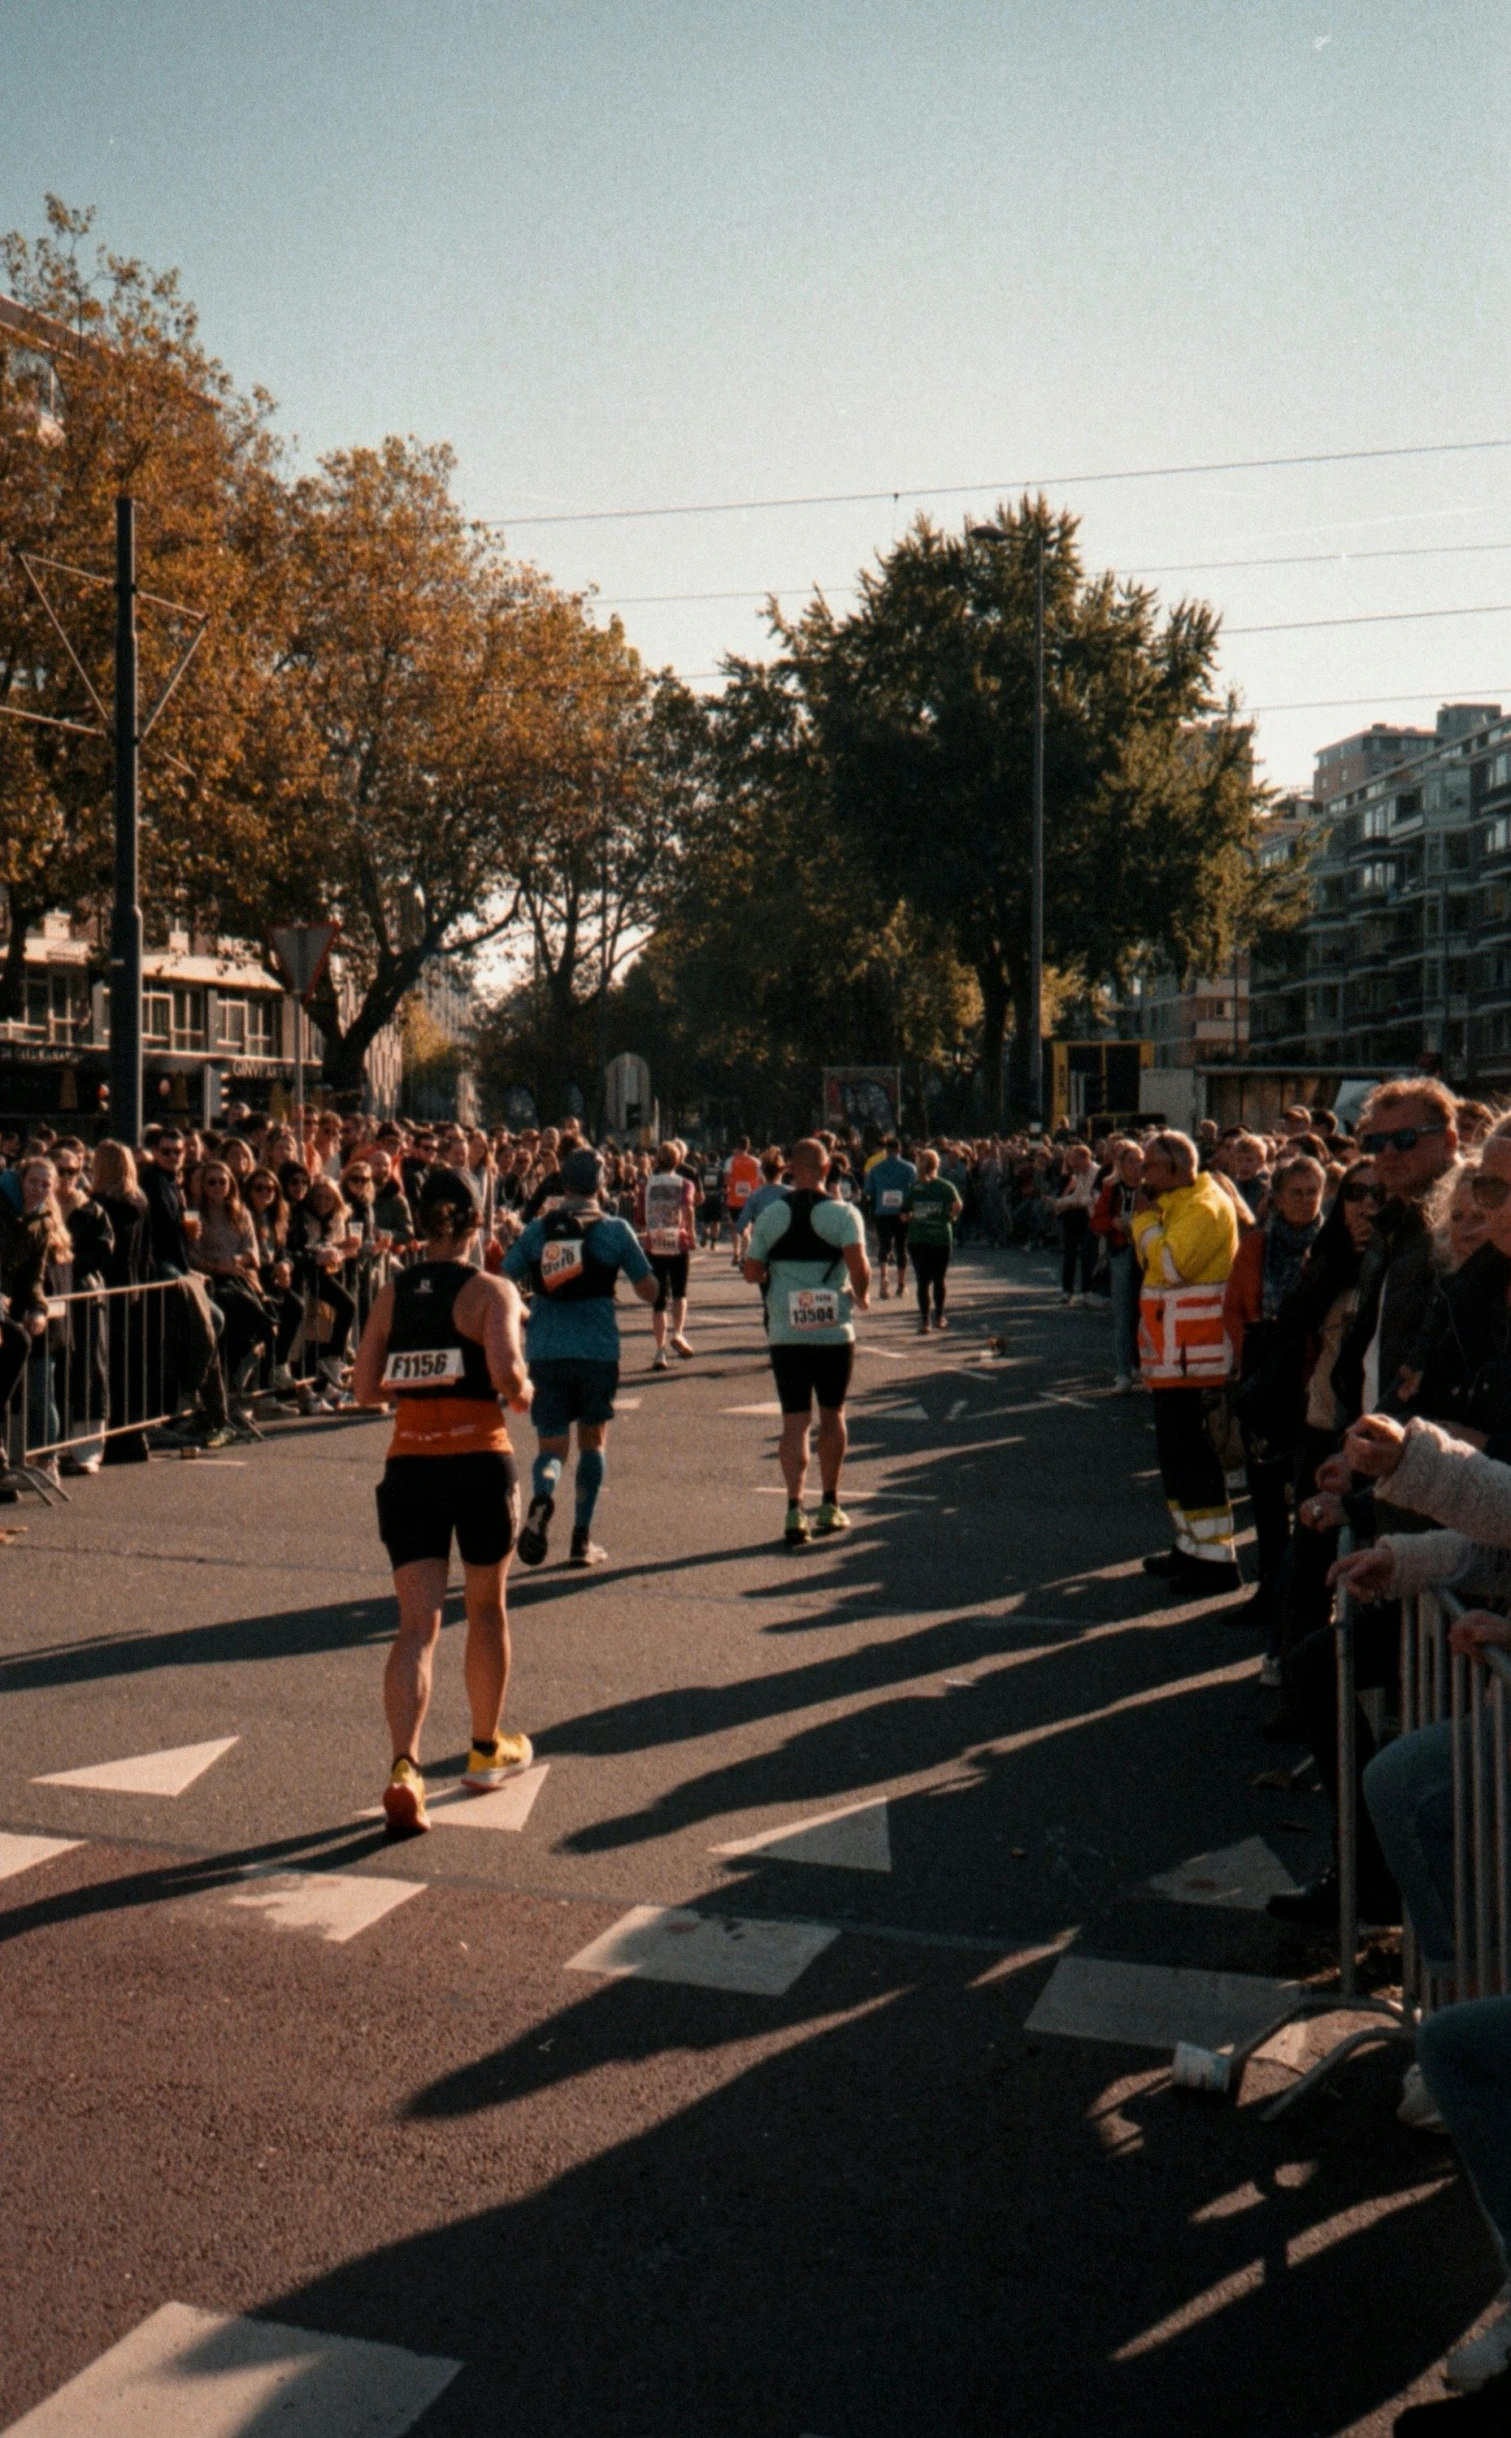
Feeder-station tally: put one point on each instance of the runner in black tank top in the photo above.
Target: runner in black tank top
(443, 1345)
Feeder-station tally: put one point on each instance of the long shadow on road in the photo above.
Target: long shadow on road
(905, 2216)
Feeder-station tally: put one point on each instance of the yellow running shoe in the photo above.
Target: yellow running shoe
(831, 1517)
(404, 1800)
(489, 1764)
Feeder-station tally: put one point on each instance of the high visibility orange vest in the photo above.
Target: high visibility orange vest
(1181, 1339)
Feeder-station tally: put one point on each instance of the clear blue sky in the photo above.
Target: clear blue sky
(622, 255)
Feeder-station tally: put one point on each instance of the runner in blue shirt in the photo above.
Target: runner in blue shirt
(569, 1261)
(887, 1182)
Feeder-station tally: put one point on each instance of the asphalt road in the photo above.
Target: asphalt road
(255, 2060)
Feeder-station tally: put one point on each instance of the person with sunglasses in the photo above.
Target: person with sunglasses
(1408, 1129)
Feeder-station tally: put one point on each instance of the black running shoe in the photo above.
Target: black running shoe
(532, 1538)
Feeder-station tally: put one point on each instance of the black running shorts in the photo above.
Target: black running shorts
(671, 1277)
(422, 1500)
(805, 1372)
(889, 1237)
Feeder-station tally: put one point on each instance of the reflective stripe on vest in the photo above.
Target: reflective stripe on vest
(1182, 1341)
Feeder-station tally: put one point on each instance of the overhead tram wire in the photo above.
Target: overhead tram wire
(1189, 567)
(1021, 482)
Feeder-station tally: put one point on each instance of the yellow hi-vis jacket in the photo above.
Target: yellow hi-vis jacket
(1186, 1245)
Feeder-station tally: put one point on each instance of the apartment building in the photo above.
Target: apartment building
(1405, 955)
(216, 1026)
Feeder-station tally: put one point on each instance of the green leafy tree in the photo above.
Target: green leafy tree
(919, 706)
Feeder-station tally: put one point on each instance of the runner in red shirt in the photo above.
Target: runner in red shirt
(742, 1174)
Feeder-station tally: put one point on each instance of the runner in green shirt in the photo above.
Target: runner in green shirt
(932, 1206)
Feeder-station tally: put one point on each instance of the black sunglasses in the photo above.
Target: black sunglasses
(1401, 1138)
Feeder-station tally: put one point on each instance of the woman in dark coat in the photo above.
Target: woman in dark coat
(113, 1171)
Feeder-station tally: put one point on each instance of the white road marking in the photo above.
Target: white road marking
(1152, 2006)
(707, 1951)
(507, 1807)
(1240, 1878)
(885, 1352)
(627, 1405)
(891, 1413)
(146, 1773)
(773, 1407)
(852, 1839)
(957, 1409)
(337, 1904)
(24, 1853)
(196, 2374)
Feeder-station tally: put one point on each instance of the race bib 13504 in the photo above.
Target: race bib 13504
(812, 1308)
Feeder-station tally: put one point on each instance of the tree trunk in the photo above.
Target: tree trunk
(13, 970)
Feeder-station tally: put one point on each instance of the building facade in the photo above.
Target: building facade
(1404, 959)
(216, 1027)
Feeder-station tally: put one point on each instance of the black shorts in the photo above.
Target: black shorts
(671, 1277)
(805, 1372)
(889, 1236)
(422, 1500)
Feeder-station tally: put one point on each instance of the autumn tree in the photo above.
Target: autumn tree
(124, 398)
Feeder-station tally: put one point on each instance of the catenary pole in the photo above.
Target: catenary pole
(1036, 882)
(126, 913)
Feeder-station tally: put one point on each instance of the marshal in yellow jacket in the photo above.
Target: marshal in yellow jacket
(1188, 1237)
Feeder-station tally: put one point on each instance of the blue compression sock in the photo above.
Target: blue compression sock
(545, 1473)
(590, 1472)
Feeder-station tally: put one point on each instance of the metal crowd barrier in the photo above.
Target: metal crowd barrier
(109, 1361)
(1471, 1695)
(117, 1360)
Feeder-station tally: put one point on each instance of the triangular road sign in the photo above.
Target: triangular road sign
(301, 950)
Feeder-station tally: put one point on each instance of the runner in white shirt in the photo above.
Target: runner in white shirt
(666, 1216)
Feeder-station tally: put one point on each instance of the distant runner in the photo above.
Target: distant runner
(931, 1207)
(887, 1182)
(570, 1260)
(667, 1216)
(711, 1210)
(809, 1254)
(742, 1174)
(442, 1344)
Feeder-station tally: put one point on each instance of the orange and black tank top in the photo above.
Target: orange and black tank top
(445, 1402)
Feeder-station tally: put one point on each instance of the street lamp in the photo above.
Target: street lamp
(998, 535)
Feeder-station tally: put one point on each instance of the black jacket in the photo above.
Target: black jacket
(1396, 1273)
(1463, 1352)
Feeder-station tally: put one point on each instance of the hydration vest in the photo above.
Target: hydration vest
(427, 1353)
(564, 1270)
(802, 1241)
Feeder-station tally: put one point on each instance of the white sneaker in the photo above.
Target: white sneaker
(1272, 1678)
(1122, 1386)
(660, 1361)
(1418, 2108)
(1471, 2366)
